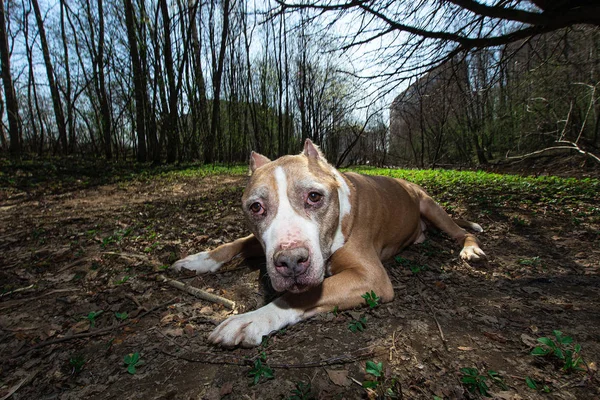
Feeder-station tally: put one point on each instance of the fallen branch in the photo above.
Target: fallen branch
(12, 303)
(433, 315)
(24, 382)
(199, 293)
(21, 289)
(99, 332)
(571, 146)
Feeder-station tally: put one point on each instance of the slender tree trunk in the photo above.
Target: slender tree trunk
(170, 122)
(138, 80)
(68, 94)
(103, 96)
(56, 102)
(202, 111)
(209, 152)
(12, 106)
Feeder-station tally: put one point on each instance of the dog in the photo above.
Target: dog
(324, 235)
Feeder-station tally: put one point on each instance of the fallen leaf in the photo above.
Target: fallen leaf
(506, 395)
(226, 389)
(177, 332)
(528, 340)
(189, 330)
(338, 376)
(465, 348)
(81, 326)
(495, 336)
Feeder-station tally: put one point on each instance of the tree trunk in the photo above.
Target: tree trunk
(138, 81)
(170, 123)
(217, 75)
(56, 102)
(12, 106)
(103, 97)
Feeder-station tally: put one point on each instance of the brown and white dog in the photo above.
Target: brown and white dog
(324, 235)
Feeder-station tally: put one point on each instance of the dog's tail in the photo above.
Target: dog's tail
(463, 223)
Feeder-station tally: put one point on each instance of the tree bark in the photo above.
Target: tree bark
(56, 101)
(12, 106)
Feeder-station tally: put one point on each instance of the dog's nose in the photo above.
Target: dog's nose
(292, 262)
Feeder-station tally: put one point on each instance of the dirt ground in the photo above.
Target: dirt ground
(73, 261)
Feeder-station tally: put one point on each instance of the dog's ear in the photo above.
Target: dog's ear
(312, 151)
(257, 161)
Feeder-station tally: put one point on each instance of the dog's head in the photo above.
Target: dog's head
(295, 206)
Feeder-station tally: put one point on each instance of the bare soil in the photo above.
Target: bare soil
(84, 249)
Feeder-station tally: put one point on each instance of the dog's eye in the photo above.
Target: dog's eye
(257, 208)
(314, 197)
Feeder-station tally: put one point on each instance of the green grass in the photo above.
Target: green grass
(489, 191)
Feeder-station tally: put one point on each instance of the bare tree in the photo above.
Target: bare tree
(12, 106)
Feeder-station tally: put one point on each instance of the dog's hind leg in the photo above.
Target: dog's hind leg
(438, 217)
(212, 260)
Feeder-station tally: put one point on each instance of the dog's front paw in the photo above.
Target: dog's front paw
(249, 328)
(472, 253)
(200, 262)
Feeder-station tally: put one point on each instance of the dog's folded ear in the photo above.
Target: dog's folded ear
(257, 161)
(312, 151)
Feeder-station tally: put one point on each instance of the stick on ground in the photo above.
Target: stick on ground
(201, 294)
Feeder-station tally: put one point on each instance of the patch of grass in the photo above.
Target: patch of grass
(500, 190)
(116, 237)
(561, 348)
(533, 261)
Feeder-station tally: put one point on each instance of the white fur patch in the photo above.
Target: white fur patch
(200, 262)
(476, 227)
(472, 253)
(288, 228)
(345, 207)
(249, 328)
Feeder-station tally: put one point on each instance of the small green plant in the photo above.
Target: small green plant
(414, 267)
(164, 267)
(116, 237)
(562, 348)
(533, 261)
(371, 298)
(358, 325)
(533, 385)
(122, 280)
(76, 362)
(380, 387)
(301, 392)
(474, 382)
(336, 311)
(132, 360)
(92, 317)
(121, 316)
(376, 370)
(260, 369)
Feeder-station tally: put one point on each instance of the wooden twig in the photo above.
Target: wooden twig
(433, 315)
(194, 291)
(99, 332)
(21, 289)
(12, 303)
(25, 381)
